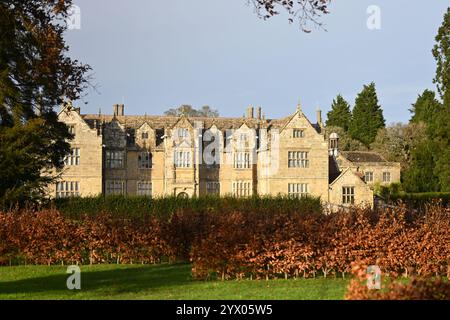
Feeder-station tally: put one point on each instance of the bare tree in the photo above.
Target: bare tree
(306, 12)
(188, 110)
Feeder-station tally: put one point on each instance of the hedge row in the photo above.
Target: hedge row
(418, 288)
(48, 237)
(266, 246)
(136, 206)
(253, 242)
(122, 229)
(419, 200)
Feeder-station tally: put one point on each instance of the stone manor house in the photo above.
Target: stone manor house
(194, 156)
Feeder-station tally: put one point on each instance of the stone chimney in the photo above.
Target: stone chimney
(258, 113)
(119, 109)
(319, 117)
(250, 112)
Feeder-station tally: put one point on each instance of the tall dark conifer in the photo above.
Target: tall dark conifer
(340, 114)
(367, 116)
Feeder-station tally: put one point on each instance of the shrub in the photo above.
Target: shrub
(239, 238)
(272, 244)
(418, 200)
(415, 289)
(135, 206)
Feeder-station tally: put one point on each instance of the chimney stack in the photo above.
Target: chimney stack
(258, 113)
(319, 117)
(119, 109)
(250, 112)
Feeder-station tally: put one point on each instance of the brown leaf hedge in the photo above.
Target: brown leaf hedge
(254, 243)
(417, 288)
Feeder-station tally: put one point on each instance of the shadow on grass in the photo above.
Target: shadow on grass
(117, 280)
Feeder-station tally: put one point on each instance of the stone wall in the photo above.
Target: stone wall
(268, 174)
(88, 173)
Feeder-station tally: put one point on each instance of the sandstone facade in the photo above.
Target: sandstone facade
(193, 156)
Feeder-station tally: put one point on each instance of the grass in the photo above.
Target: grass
(155, 282)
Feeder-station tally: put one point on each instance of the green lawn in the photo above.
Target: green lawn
(154, 282)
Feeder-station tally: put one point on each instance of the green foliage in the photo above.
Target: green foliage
(397, 141)
(166, 206)
(439, 136)
(421, 175)
(389, 191)
(367, 116)
(36, 77)
(425, 107)
(346, 143)
(441, 128)
(421, 199)
(441, 53)
(339, 115)
(430, 168)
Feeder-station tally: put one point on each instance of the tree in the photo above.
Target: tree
(430, 167)
(367, 116)
(426, 170)
(440, 127)
(441, 53)
(421, 174)
(189, 111)
(425, 107)
(397, 141)
(36, 77)
(305, 11)
(206, 111)
(339, 115)
(346, 143)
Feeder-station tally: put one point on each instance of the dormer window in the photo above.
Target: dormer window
(144, 135)
(299, 133)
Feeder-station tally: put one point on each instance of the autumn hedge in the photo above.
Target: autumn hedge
(252, 242)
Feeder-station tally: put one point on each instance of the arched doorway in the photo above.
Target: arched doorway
(183, 195)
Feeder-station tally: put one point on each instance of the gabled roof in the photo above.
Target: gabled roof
(145, 123)
(282, 123)
(343, 173)
(363, 156)
(182, 119)
(222, 123)
(158, 122)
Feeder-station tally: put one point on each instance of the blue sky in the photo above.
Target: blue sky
(153, 55)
